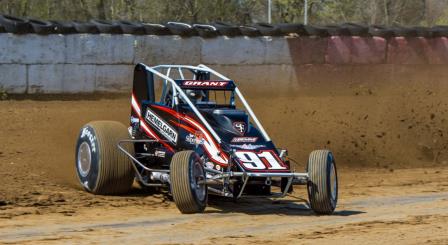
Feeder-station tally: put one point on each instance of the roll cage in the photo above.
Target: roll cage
(199, 72)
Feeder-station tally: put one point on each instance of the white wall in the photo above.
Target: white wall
(104, 63)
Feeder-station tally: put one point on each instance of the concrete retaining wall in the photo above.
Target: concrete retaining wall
(104, 63)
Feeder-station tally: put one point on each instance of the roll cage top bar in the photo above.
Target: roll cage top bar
(177, 91)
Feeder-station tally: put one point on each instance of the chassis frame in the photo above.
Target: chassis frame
(213, 177)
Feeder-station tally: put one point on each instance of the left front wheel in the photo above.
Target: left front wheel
(188, 186)
(101, 167)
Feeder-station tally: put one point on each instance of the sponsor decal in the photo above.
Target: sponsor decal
(205, 83)
(240, 127)
(190, 139)
(164, 128)
(86, 133)
(144, 126)
(244, 139)
(248, 146)
(195, 139)
(199, 137)
(160, 154)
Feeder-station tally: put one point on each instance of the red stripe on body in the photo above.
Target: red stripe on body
(145, 127)
(198, 126)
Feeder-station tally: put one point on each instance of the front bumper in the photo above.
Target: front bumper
(293, 179)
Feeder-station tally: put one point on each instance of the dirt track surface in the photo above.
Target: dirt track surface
(40, 201)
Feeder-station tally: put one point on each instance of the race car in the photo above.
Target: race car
(192, 133)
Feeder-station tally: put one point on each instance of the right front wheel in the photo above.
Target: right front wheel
(323, 182)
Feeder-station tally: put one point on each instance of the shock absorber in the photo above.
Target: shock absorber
(160, 176)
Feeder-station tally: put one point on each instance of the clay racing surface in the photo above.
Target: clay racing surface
(393, 178)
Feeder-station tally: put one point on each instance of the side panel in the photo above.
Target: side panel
(192, 132)
(162, 124)
(142, 87)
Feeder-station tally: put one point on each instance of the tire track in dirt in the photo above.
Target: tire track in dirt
(38, 187)
(266, 221)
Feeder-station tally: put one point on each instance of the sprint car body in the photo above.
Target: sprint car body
(188, 134)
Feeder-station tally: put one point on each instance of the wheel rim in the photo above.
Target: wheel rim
(333, 183)
(198, 181)
(84, 159)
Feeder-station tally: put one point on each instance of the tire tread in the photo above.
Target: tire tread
(115, 173)
(319, 194)
(180, 183)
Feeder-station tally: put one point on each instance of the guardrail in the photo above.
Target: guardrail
(94, 62)
(18, 25)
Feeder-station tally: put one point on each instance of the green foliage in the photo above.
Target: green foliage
(3, 94)
(288, 11)
(388, 12)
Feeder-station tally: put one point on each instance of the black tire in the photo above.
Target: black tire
(206, 31)
(42, 27)
(227, 29)
(101, 167)
(336, 30)
(15, 25)
(133, 28)
(287, 29)
(185, 170)
(63, 27)
(268, 29)
(422, 31)
(250, 31)
(439, 31)
(401, 31)
(2, 29)
(323, 182)
(356, 29)
(381, 31)
(316, 31)
(85, 27)
(156, 29)
(181, 29)
(107, 27)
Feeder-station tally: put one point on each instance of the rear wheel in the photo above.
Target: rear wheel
(323, 182)
(101, 167)
(188, 186)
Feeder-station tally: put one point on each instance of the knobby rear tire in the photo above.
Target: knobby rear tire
(110, 171)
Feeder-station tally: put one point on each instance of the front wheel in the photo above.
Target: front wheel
(322, 182)
(188, 186)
